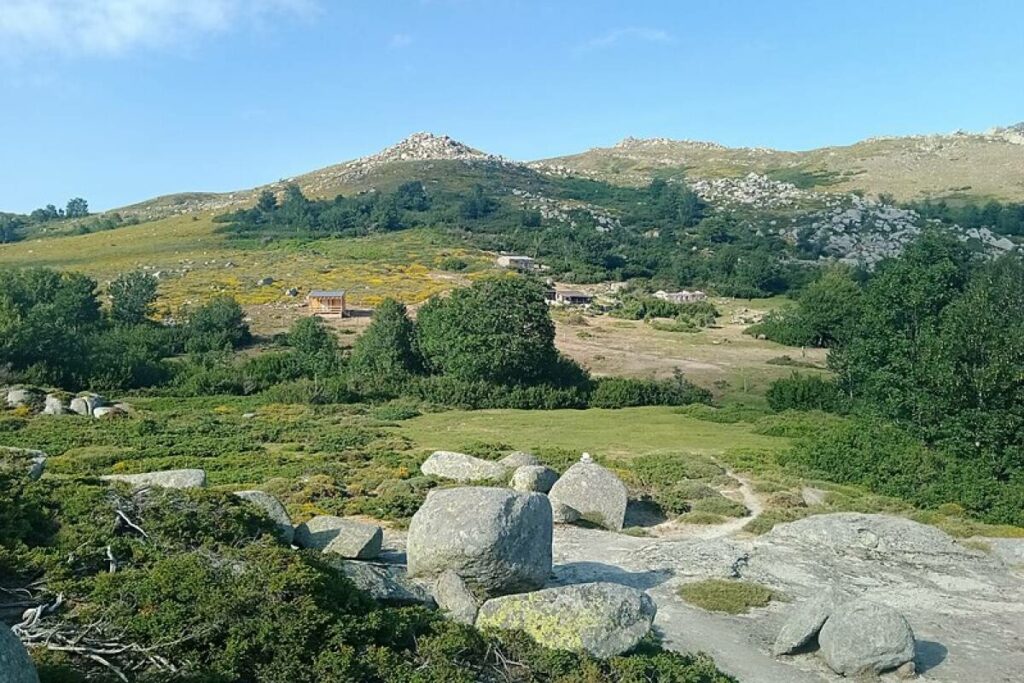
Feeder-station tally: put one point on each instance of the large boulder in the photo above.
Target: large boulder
(533, 478)
(596, 493)
(54, 404)
(347, 538)
(863, 638)
(454, 597)
(805, 621)
(100, 412)
(497, 540)
(518, 459)
(600, 619)
(86, 404)
(274, 510)
(168, 479)
(15, 664)
(385, 583)
(461, 467)
(18, 397)
(33, 462)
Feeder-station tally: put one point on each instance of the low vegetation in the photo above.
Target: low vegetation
(728, 596)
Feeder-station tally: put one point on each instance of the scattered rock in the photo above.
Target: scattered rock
(274, 510)
(385, 583)
(595, 492)
(292, 292)
(19, 397)
(812, 496)
(168, 479)
(805, 622)
(248, 416)
(454, 597)
(518, 459)
(107, 412)
(54, 405)
(533, 478)
(461, 467)
(863, 637)
(347, 538)
(601, 619)
(497, 540)
(15, 664)
(34, 461)
(264, 281)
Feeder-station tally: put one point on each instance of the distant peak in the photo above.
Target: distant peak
(641, 143)
(427, 147)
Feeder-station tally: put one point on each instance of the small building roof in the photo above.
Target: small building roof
(327, 293)
(572, 293)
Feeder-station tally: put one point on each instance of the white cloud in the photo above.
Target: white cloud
(625, 35)
(111, 27)
(400, 40)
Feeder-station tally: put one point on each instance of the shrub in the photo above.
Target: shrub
(622, 392)
(721, 595)
(720, 505)
(806, 392)
(216, 325)
(707, 518)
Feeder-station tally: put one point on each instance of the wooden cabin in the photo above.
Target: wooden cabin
(569, 297)
(326, 302)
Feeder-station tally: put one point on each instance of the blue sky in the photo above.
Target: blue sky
(121, 100)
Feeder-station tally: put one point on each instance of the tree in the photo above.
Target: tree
(496, 331)
(315, 346)
(266, 202)
(216, 325)
(131, 297)
(385, 356)
(829, 307)
(77, 208)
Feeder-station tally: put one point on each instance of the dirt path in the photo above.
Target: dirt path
(672, 530)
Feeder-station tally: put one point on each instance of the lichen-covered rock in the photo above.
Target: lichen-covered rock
(533, 478)
(805, 621)
(454, 597)
(15, 664)
(461, 467)
(33, 462)
(168, 479)
(497, 540)
(600, 619)
(593, 491)
(564, 514)
(347, 538)
(863, 637)
(274, 510)
(517, 459)
(18, 397)
(385, 583)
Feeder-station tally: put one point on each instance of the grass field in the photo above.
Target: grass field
(195, 262)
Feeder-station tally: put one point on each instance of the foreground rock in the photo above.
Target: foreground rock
(461, 467)
(454, 597)
(33, 461)
(533, 478)
(806, 621)
(15, 664)
(497, 540)
(864, 637)
(347, 538)
(168, 479)
(595, 492)
(274, 510)
(385, 583)
(600, 619)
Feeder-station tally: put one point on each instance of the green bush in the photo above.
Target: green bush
(806, 392)
(623, 392)
(720, 505)
(721, 595)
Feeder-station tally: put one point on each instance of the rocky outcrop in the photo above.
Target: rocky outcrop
(347, 538)
(86, 404)
(497, 540)
(15, 664)
(533, 478)
(595, 492)
(600, 619)
(863, 637)
(168, 479)
(461, 467)
(274, 510)
(18, 397)
(54, 404)
(454, 597)
(107, 412)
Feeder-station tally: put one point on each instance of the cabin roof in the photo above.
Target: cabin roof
(327, 293)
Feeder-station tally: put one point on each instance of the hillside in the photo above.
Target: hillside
(978, 166)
